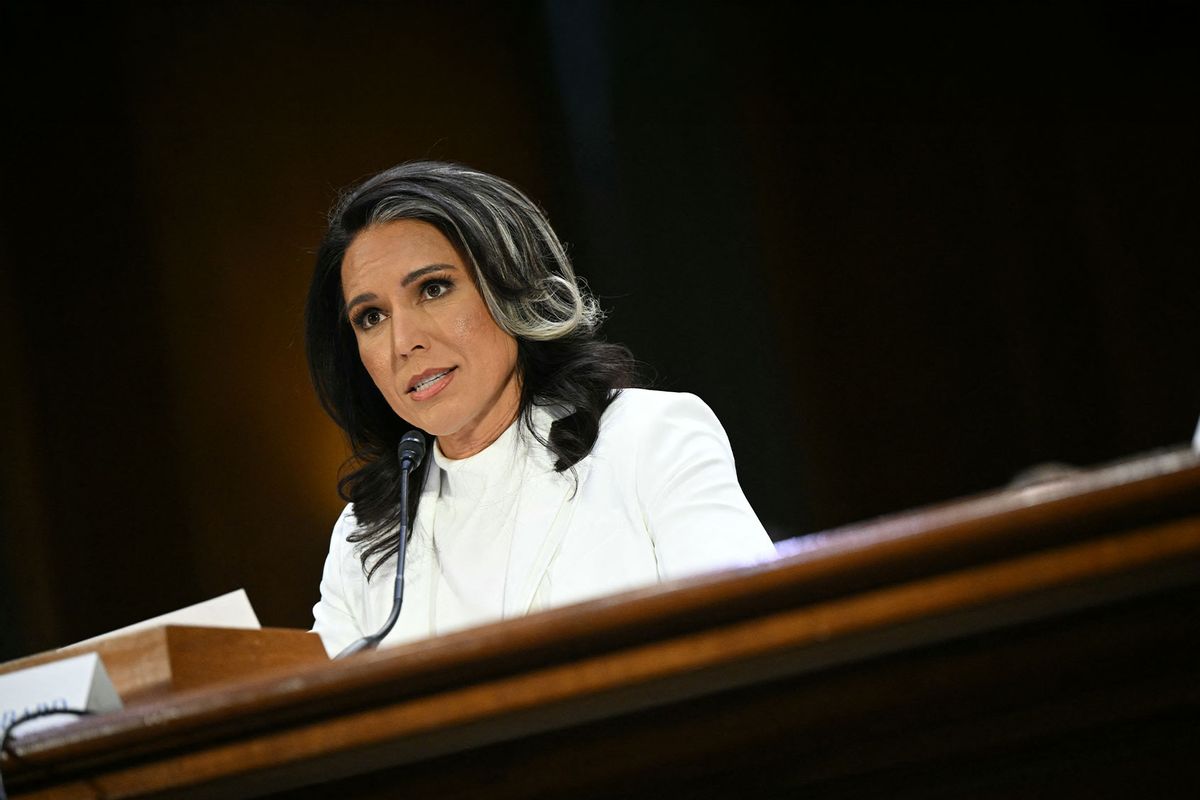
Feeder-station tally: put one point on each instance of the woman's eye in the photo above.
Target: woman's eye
(434, 289)
(369, 318)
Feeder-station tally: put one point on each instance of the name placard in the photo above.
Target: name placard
(78, 683)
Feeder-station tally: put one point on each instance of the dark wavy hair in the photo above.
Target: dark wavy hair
(526, 280)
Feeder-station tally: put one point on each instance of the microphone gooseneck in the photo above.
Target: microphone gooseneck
(411, 451)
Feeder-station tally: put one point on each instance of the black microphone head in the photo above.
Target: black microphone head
(411, 449)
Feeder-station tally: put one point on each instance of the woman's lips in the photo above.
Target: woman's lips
(430, 382)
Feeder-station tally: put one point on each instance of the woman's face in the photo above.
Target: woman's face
(426, 336)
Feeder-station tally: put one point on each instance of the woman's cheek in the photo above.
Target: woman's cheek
(463, 325)
(376, 366)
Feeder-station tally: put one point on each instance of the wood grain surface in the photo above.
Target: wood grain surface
(1016, 639)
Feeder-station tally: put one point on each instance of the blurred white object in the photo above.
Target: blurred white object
(231, 610)
(1196, 439)
(80, 683)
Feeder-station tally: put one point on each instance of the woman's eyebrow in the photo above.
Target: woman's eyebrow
(365, 297)
(416, 274)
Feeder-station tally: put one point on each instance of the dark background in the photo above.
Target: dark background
(904, 254)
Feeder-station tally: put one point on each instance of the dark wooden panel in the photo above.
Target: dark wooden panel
(1006, 638)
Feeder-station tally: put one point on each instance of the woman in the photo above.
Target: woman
(442, 300)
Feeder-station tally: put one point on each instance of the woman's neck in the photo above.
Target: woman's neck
(476, 438)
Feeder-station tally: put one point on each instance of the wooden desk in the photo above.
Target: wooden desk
(1028, 642)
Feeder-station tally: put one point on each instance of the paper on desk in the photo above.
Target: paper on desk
(230, 610)
(78, 683)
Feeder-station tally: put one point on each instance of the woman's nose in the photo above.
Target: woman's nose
(408, 336)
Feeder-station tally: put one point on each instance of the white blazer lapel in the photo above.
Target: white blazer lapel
(543, 518)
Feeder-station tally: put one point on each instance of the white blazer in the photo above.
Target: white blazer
(657, 498)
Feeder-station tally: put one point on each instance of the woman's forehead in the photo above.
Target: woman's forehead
(396, 247)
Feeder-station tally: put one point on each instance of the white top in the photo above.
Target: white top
(656, 499)
(471, 530)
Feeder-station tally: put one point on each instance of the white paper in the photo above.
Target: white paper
(231, 610)
(79, 683)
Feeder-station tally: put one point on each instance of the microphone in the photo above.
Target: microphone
(411, 451)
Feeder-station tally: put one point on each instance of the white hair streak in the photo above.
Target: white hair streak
(520, 249)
